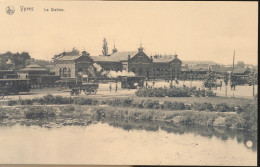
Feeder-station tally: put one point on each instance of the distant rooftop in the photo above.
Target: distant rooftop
(69, 57)
(33, 67)
(115, 57)
(199, 62)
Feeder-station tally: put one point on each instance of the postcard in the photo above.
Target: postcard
(128, 82)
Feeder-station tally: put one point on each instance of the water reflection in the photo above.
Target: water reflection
(128, 125)
(221, 133)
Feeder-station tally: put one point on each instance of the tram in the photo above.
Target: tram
(14, 86)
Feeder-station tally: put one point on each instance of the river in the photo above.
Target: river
(126, 143)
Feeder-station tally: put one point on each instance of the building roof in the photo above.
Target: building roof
(221, 69)
(240, 70)
(199, 62)
(162, 59)
(33, 67)
(198, 69)
(115, 57)
(69, 57)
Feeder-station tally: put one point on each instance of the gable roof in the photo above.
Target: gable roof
(69, 57)
(140, 57)
(115, 57)
(176, 59)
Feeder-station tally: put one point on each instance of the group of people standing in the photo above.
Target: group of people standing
(110, 87)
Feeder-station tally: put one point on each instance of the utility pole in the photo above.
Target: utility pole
(234, 60)
(253, 85)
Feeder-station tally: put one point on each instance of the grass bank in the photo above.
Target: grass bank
(82, 114)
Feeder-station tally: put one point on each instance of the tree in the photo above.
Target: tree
(105, 48)
(18, 60)
(210, 80)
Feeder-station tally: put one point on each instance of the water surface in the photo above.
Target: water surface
(119, 142)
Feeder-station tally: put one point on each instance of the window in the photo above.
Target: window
(60, 73)
(140, 71)
(65, 74)
(133, 70)
(69, 73)
(158, 71)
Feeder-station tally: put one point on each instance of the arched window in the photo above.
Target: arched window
(69, 73)
(60, 72)
(65, 74)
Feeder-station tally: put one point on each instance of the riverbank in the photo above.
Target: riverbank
(58, 111)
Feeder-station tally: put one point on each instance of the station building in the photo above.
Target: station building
(138, 62)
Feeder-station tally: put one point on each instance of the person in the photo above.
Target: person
(171, 84)
(146, 85)
(116, 87)
(110, 87)
(153, 83)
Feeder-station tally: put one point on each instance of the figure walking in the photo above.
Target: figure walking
(110, 87)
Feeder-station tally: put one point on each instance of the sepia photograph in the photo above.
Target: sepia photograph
(128, 82)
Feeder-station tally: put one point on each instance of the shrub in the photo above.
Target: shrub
(127, 102)
(202, 106)
(2, 113)
(223, 107)
(26, 102)
(174, 92)
(249, 113)
(39, 112)
(69, 108)
(151, 104)
(181, 106)
(210, 93)
(12, 102)
(83, 101)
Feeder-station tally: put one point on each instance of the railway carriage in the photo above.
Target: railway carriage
(14, 86)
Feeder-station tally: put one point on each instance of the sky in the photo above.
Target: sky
(202, 31)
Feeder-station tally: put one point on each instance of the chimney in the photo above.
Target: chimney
(141, 49)
(128, 56)
(151, 58)
(114, 50)
(84, 53)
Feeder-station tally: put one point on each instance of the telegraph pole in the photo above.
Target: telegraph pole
(234, 60)
(253, 85)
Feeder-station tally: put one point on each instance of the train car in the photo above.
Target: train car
(14, 86)
(132, 82)
(87, 88)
